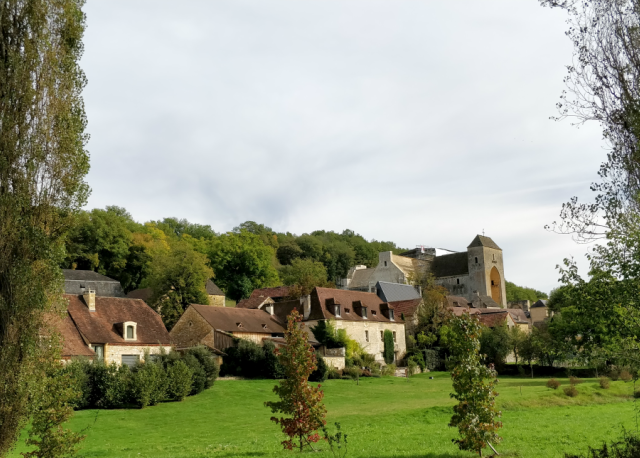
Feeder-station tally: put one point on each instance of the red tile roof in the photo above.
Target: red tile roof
(233, 319)
(273, 293)
(100, 326)
(408, 307)
(252, 302)
(323, 298)
(72, 342)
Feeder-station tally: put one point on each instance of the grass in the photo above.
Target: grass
(387, 417)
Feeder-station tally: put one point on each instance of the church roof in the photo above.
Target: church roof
(481, 240)
(450, 265)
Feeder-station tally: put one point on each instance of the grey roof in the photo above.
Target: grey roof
(483, 301)
(212, 289)
(481, 240)
(85, 275)
(361, 278)
(449, 265)
(540, 303)
(391, 292)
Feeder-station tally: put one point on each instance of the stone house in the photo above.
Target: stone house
(216, 295)
(76, 281)
(539, 311)
(115, 329)
(362, 314)
(478, 271)
(216, 327)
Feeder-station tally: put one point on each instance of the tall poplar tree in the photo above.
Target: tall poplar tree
(43, 163)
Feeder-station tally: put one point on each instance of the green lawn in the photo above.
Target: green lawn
(384, 417)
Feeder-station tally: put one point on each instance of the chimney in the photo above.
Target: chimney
(89, 297)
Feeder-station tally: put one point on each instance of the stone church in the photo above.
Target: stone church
(476, 274)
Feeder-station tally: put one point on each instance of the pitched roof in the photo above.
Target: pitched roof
(85, 275)
(449, 265)
(144, 294)
(493, 318)
(407, 308)
(100, 326)
(212, 288)
(322, 298)
(519, 316)
(72, 342)
(407, 265)
(253, 302)
(392, 292)
(273, 293)
(233, 319)
(481, 240)
(484, 301)
(361, 278)
(457, 301)
(540, 303)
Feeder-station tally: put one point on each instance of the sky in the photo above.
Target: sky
(419, 122)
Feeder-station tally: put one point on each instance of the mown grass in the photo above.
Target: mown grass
(387, 417)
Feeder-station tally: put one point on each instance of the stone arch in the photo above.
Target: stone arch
(496, 286)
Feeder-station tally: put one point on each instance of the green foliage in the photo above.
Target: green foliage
(300, 401)
(628, 447)
(109, 385)
(389, 370)
(389, 353)
(209, 365)
(476, 415)
(242, 263)
(326, 333)
(246, 359)
(522, 293)
(149, 383)
(337, 442)
(272, 367)
(321, 372)
(305, 274)
(553, 384)
(495, 344)
(178, 279)
(432, 359)
(180, 380)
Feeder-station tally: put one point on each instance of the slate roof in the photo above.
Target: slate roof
(253, 302)
(100, 326)
(85, 275)
(481, 240)
(250, 320)
(540, 303)
(361, 278)
(483, 301)
(144, 294)
(72, 342)
(392, 292)
(449, 265)
(212, 289)
(273, 293)
(321, 298)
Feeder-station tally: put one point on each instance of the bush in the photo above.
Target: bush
(80, 374)
(412, 367)
(320, 374)
(571, 391)
(148, 384)
(273, 368)
(109, 385)
(553, 384)
(614, 374)
(628, 447)
(180, 380)
(334, 373)
(604, 383)
(245, 360)
(432, 360)
(389, 370)
(419, 360)
(198, 375)
(575, 380)
(636, 393)
(208, 363)
(625, 376)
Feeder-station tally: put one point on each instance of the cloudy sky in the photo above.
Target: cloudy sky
(420, 122)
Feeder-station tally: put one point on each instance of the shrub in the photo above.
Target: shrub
(636, 393)
(571, 391)
(334, 373)
(273, 368)
(574, 380)
(604, 383)
(389, 354)
(198, 375)
(614, 374)
(432, 360)
(208, 363)
(180, 380)
(419, 360)
(628, 447)
(109, 385)
(148, 384)
(412, 367)
(389, 370)
(79, 369)
(625, 376)
(320, 374)
(553, 384)
(246, 360)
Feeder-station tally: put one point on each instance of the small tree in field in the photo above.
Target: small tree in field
(475, 416)
(298, 398)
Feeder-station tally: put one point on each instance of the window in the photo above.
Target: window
(190, 323)
(366, 336)
(391, 315)
(492, 283)
(99, 349)
(494, 257)
(347, 310)
(364, 313)
(130, 360)
(457, 281)
(385, 263)
(337, 310)
(394, 336)
(476, 260)
(381, 335)
(129, 332)
(374, 313)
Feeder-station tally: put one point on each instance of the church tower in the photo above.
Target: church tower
(486, 270)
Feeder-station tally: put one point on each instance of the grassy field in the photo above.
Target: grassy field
(385, 417)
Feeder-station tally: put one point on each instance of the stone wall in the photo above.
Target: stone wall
(216, 301)
(190, 330)
(334, 361)
(113, 353)
(456, 285)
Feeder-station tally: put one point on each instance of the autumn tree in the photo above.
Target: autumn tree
(299, 400)
(476, 415)
(43, 163)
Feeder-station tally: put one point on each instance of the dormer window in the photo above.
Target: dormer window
(264, 326)
(364, 313)
(373, 312)
(239, 325)
(391, 317)
(347, 310)
(129, 330)
(337, 310)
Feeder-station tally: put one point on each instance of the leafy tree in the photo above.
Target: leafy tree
(389, 353)
(242, 263)
(326, 333)
(305, 274)
(178, 279)
(298, 399)
(43, 163)
(266, 234)
(516, 339)
(474, 383)
(495, 344)
(522, 293)
(288, 251)
(176, 228)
